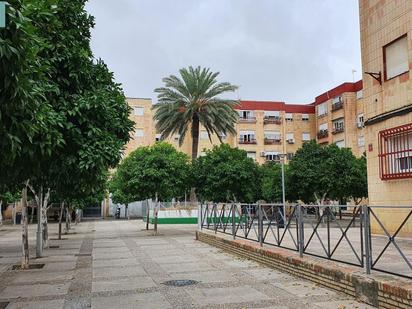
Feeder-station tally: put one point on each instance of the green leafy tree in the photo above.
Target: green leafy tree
(358, 188)
(318, 172)
(271, 182)
(193, 99)
(149, 172)
(226, 174)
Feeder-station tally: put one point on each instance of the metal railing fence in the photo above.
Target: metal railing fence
(355, 235)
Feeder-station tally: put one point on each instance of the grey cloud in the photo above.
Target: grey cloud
(274, 49)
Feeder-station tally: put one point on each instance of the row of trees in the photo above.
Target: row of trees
(226, 174)
(63, 119)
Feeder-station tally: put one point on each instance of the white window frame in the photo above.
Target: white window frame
(288, 116)
(139, 133)
(305, 137)
(322, 109)
(360, 120)
(251, 154)
(338, 124)
(323, 127)
(204, 135)
(247, 136)
(272, 135)
(246, 114)
(361, 141)
(138, 110)
(305, 117)
(341, 143)
(396, 58)
(271, 114)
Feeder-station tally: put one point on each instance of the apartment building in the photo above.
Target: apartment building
(386, 44)
(269, 129)
(340, 117)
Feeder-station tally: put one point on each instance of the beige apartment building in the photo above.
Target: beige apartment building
(386, 44)
(270, 130)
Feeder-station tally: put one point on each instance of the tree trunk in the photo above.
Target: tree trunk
(39, 235)
(60, 219)
(67, 220)
(126, 211)
(1, 213)
(24, 235)
(45, 219)
(32, 214)
(156, 211)
(195, 136)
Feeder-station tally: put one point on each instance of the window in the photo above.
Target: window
(305, 137)
(201, 154)
(138, 111)
(361, 141)
(340, 143)
(138, 133)
(204, 134)
(290, 155)
(252, 155)
(289, 116)
(246, 115)
(272, 135)
(272, 156)
(322, 109)
(396, 58)
(247, 137)
(290, 138)
(338, 125)
(395, 152)
(271, 114)
(305, 117)
(158, 137)
(359, 94)
(323, 127)
(361, 121)
(177, 136)
(337, 100)
(222, 135)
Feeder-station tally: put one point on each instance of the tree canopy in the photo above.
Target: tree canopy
(226, 174)
(192, 99)
(318, 172)
(149, 172)
(271, 182)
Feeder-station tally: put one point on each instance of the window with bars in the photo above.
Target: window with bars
(395, 152)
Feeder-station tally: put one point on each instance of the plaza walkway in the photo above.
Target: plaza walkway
(117, 264)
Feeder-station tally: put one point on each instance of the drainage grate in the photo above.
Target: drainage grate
(54, 247)
(31, 266)
(184, 282)
(3, 305)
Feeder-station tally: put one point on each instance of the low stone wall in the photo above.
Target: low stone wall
(380, 291)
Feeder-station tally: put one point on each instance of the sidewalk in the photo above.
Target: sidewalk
(108, 264)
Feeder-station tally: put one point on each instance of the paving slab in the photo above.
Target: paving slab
(115, 263)
(34, 290)
(302, 288)
(122, 284)
(146, 301)
(47, 304)
(214, 296)
(109, 272)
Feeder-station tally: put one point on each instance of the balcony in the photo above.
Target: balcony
(272, 141)
(336, 106)
(247, 119)
(338, 130)
(251, 141)
(272, 119)
(323, 134)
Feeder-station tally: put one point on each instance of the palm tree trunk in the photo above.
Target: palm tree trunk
(195, 136)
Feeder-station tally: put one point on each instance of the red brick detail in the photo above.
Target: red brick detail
(342, 88)
(276, 106)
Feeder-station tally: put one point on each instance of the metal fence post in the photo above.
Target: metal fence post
(214, 217)
(366, 229)
(301, 239)
(234, 221)
(260, 225)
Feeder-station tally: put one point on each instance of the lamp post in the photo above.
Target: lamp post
(2, 14)
(282, 157)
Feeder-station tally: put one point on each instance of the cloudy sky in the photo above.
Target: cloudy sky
(273, 49)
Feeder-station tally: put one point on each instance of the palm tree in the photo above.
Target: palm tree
(191, 100)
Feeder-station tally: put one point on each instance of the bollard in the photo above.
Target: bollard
(234, 221)
(301, 231)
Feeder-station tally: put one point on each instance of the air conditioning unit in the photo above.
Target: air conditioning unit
(262, 154)
(291, 140)
(360, 125)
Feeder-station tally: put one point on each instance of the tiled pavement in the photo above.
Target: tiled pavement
(117, 264)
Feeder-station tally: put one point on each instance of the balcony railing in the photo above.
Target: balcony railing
(251, 141)
(338, 130)
(272, 119)
(247, 119)
(323, 134)
(336, 106)
(272, 141)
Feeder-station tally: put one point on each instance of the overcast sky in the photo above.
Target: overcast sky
(273, 49)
